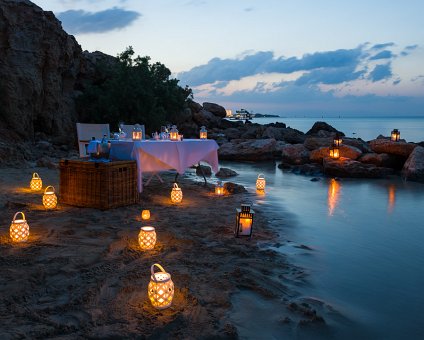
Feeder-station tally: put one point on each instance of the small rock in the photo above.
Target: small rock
(203, 170)
(233, 188)
(225, 172)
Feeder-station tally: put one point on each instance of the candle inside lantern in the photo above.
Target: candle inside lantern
(147, 238)
(145, 214)
(219, 189)
(337, 140)
(137, 133)
(49, 198)
(19, 228)
(203, 133)
(244, 221)
(334, 152)
(395, 135)
(161, 288)
(176, 194)
(260, 182)
(36, 182)
(173, 133)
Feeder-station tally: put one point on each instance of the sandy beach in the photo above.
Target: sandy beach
(82, 274)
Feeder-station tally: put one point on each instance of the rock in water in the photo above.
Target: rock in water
(414, 166)
(322, 126)
(392, 148)
(295, 154)
(225, 172)
(233, 188)
(345, 167)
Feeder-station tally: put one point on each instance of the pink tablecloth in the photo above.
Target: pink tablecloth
(155, 156)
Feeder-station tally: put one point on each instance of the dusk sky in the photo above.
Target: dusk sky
(271, 56)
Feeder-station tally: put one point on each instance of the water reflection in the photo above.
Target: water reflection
(392, 198)
(334, 188)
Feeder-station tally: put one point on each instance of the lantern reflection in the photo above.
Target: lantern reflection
(333, 196)
(392, 198)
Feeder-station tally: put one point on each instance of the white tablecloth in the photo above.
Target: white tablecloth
(155, 156)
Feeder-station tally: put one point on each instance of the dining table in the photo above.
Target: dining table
(154, 156)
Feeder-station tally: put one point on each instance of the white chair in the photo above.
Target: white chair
(128, 129)
(86, 132)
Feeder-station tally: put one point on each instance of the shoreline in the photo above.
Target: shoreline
(82, 274)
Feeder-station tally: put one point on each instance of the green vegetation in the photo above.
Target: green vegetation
(133, 91)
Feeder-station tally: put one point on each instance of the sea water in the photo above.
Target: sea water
(366, 258)
(367, 128)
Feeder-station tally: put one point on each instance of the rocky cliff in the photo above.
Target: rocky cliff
(39, 69)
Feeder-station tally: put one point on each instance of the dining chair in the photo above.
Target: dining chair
(128, 129)
(86, 131)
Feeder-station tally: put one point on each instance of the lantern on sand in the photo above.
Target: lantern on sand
(260, 182)
(395, 135)
(244, 221)
(173, 133)
(36, 182)
(334, 152)
(49, 198)
(145, 214)
(161, 288)
(176, 194)
(337, 140)
(219, 189)
(147, 238)
(137, 133)
(19, 229)
(203, 133)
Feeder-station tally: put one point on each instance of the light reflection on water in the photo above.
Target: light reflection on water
(367, 240)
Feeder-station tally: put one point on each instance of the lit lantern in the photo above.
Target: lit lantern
(137, 133)
(203, 133)
(334, 152)
(176, 194)
(19, 229)
(49, 198)
(145, 214)
(260, 182)
(244, 221)
(219, 189)
(161, 288)
(147, 238)
(337, 140)
(395, 135)
(36, 182)
(173, 133)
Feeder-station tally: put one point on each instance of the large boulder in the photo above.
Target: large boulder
(206, 118)
(382, 159)
(393, 148)
(345, 167)
(313, 143)
(215, 109)
(253, 131)
(322, 126)
(414, 166)
(295, 154)
(293, 136)
(357, 143)
(248, 150)
(319, 154)
(40, 64)
(232, 133)
(225, 173)
(346, 151)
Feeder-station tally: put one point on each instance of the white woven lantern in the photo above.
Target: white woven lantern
(147, 238)
(49, 198)
(19, 229)
(36, 182)
(260, 182)
(176, 194)
(161, 288)
(145, 214)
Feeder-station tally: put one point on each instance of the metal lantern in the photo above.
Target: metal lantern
(219, 189)
(203, 133)
(36, 182)
(147, 237)
(176, 194)
(145, 214)
(19, 229)
(49, 198)
(260, 182)
(137, 133)
(161, 288)
(335, 152)
(244, 221)
(173, 133)
(337, 140)
(395, 135)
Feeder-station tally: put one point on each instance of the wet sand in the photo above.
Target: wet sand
(82, 274)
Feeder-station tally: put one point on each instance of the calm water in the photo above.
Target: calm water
(367, 260)
(367, 128)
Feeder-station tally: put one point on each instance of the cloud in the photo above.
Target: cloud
(380, 72)
(80, 21)
(408, 49)
(381, 46)
(332, 75)
(386, 54)
(248, 9)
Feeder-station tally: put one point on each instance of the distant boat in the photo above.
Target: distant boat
(241, 114)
